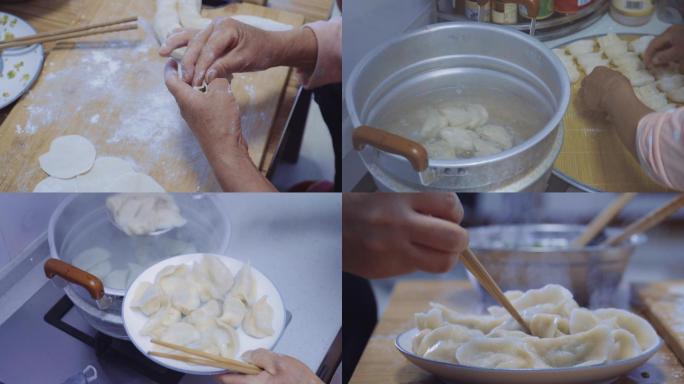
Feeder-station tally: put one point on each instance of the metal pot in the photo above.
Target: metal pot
(82, 222)
(521, 257)
(450, 57)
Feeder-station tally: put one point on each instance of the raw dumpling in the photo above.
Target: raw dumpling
(615, 51)
(589, 61)
(213, 277)
(180, 334)
(245, 286)
(89, 258)
(464, 115)
(581, 47)
(628, 62)
(258, 321)
(158, 323)
(640, 45)
(116, 279)
(651, 96)
(570, 68)
(671, 83)
(639, 78)
(148, 298)
(234, 311)
(498, 353)
(676, 95)
(666, 71)
(205, 316)
(610, 40)
(587, 348)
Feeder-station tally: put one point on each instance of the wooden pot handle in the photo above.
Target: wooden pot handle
(55, 267)
(414, 152)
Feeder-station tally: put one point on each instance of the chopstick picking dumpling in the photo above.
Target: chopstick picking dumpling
(258, 321)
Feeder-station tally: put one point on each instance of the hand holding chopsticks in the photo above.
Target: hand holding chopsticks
(204, 358)
(70, 33)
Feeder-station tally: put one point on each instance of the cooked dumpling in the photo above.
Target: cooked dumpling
(456, 335)
(482, 323)
(180, 334)
(466, 116)
(205, 316)
(587, 348)
(581, 47)
(429, 320)
(158, 323)
(439, 149)
(497, 135)
(179, 286)
(434, 122)
(245, 286)
(545, 325)
(234, 311)
(640, 328)
(460, 139)
(258, 321)
(225, 339)
(498, 353)
(625, 345)
(640, 45)
(142, 214)
(101, 270)
(148, 298)
(213, 277)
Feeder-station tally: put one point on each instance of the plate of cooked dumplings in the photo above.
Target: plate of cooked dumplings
(212, 303)
(567, 344)
(660, 88)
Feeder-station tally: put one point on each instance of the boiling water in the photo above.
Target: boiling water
(521, 112)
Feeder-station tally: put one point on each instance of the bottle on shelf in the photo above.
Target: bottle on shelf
(504, 13)
(570, 6)
(632, 12)
(545, 10)
(473, 10)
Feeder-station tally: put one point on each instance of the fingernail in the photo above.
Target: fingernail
(198, 78)
(187, 75)
(211, 75)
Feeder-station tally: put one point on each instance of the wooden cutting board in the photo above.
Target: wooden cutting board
(663, 305)
(593, 154)
(381, 363)
(110, 89)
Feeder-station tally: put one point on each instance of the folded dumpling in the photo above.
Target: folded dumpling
(205, 316)
(148, 298)
(640, 45)
(213, 277)
(498, 353)
(180, 334)
(234, 311)
(581, 47)
(636, 325)
(162, 319)
(258, 321)
(587, 348)
(245, 286)
(456, 335)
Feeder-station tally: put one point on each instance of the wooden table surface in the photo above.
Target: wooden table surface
(47, 15)
(381, 363)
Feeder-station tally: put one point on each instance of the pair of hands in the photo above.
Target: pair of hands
(278, 369)
(390, 234)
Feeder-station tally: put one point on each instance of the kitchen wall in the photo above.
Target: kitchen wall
(366, 25)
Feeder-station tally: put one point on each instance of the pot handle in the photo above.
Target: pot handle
(531, 5)
(55, 267)
(414, 152)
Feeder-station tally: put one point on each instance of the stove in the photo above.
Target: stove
(47, 341)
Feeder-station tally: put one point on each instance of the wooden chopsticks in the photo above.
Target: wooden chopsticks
(647, 222)
(485, 279)
(600, 221)
(204, 358)
(70, 33)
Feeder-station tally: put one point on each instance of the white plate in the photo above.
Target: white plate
(22, 64)
(135, 320)
(449, 372)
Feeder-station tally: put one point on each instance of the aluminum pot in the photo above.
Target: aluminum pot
(81, 222)
(521, 257)
(458, 56)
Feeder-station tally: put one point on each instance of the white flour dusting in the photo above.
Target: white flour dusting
(94, 119)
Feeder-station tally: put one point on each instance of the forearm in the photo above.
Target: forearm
(625, 115)
(235, 171)
(298, 48)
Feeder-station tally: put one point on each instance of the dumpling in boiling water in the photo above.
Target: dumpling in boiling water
(501, 353)
(434, 122)
(91, 257)
(148, 298)
(550, 299)
(245, 286)
(587, 348)
(156, 325)
(460, 139)
(134, 270)
(101, 270)
(485, 148)
(258, 321)
(440, 149)
(640, 328)
(234, 311)
(116, 279)
(466, 116)
(497, 135)
(213, 277)
(205, 316)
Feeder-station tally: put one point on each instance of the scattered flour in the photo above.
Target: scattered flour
(94, 118)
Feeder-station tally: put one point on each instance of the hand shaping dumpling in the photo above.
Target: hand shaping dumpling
(258, 321)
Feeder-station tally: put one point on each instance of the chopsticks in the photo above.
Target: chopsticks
(647, 222)
(70, 33)
(600, 221)
(485, 279)
(204, 358)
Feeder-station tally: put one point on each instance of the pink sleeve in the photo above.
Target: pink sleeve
(660, 146)
(329, 61)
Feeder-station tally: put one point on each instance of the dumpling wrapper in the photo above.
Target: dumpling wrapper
(258, 321)
(244, 287)
(68, 156)
(234, 311)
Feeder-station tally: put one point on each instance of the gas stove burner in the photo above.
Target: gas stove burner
(109, 348)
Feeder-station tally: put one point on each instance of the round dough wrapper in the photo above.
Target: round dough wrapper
(69, 156)
(105, 170)
(54, 185)
(134, 182)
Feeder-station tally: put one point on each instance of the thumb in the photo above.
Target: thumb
(176, 86)
(262, 358)
(664, 57)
